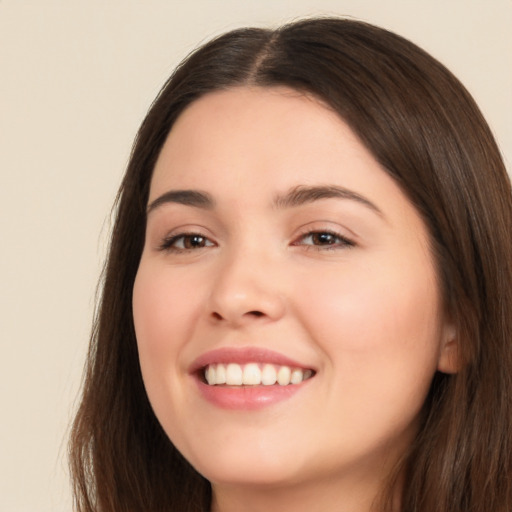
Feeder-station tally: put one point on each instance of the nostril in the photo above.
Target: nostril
(236, 318)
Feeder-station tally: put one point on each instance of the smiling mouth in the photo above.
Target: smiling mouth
(254, 374)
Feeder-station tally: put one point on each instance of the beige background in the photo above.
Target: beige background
(76, 78)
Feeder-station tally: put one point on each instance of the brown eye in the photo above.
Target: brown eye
(323, 238)
(186, 242)
(320, 239)
(194, 241)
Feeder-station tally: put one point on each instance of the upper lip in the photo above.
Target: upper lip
(244, 355)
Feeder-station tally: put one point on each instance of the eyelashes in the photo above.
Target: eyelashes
(319, 240)
(184, 242)
(324, 240)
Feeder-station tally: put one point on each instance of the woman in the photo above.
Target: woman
(307, 302)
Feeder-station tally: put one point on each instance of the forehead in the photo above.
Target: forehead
(276, 134)
(228, 125)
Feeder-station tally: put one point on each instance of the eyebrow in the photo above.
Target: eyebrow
(193, 198)
(302, 194)
(297, 196)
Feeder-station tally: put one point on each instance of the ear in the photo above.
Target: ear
(449, 353)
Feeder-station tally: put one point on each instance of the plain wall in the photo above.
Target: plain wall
(76, 78)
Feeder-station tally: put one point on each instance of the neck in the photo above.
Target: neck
(351, 494)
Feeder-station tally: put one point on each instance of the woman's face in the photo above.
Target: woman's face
(278, 248)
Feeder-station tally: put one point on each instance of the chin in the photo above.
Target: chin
(249, 468)
(259, 476)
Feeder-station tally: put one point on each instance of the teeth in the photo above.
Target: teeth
(234, 375)
(268, 375)
(283, 375)
(253, 374)
(210, 375)
(220, 375)
(297, 376)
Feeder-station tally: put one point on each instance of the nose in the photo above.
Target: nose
(247, 289)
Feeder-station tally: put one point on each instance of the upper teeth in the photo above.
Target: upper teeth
(253, 374)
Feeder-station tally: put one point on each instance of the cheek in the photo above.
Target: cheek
(380, 338)
(163, 312)
(163, 305)
(383, 325)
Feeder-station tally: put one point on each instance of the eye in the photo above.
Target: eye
(324, 240)
(185, 242)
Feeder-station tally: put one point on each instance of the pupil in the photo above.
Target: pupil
(324, 238)
(195, 241)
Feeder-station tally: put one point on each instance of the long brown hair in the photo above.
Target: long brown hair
(426, 131)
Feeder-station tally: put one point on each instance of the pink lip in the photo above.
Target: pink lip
(245, 397)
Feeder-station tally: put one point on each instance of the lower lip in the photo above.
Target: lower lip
(248, 397)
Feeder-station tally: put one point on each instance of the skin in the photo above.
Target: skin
(365, 314)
